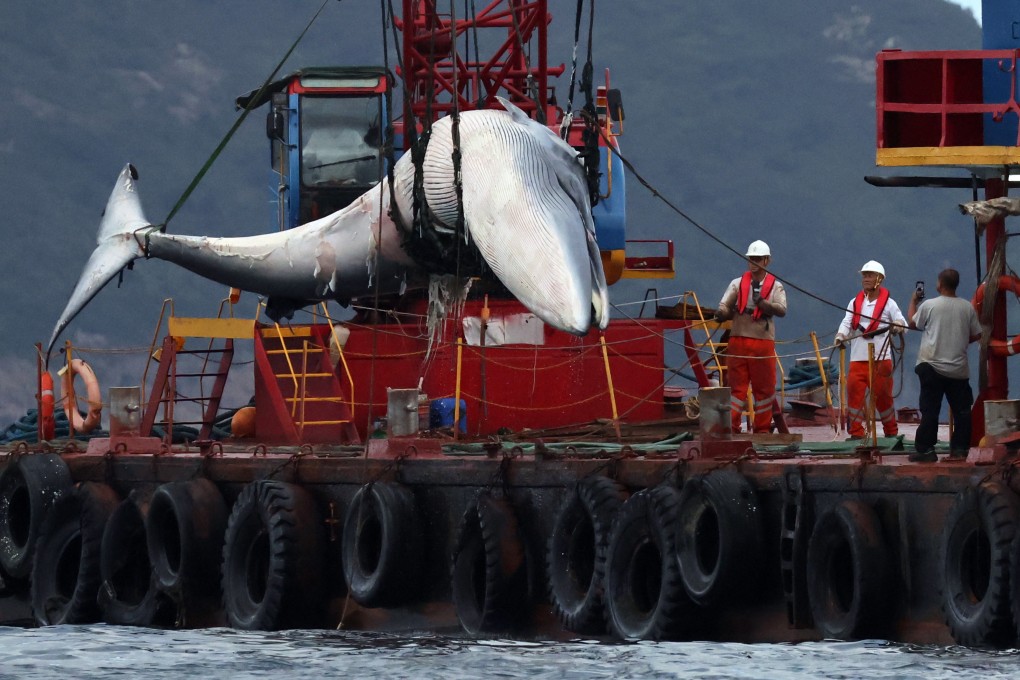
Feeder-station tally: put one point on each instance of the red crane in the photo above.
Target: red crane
(441, 64)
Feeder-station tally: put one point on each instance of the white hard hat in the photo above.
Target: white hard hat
(873, 266)
(758, 249)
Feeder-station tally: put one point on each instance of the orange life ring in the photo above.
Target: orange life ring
(1004, 348)
(95, 398)
(49, 425)
(1000, 348)
(1005, 283)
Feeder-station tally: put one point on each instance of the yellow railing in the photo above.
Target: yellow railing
(298, 401)
(713, 347)
(179, 328)
(340, 352)
(155, 347)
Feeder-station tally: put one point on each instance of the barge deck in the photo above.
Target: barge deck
(701, 539)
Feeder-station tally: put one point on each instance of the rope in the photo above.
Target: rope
(573, 68)
(410, 126)
(460, 232)
(700, 348)
(478, 63)
(105, 350)
(592, 130)
(390, 163)
(230, 133)
(531, 92)
(657, 194)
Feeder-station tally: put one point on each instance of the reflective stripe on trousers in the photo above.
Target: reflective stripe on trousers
(751, 362)
(856, 393)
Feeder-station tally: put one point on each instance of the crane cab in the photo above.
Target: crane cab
(325, 127)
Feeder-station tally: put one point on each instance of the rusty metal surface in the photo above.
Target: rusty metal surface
(138, 458)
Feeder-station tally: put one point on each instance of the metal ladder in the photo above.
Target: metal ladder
(316, 404)
(166, 392)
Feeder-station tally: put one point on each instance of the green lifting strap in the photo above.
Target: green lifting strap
(230, 133)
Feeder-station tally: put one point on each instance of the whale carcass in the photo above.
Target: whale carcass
(526, 210)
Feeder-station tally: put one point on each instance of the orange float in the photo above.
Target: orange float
(46, 420)
(242, 424)
(95, 398)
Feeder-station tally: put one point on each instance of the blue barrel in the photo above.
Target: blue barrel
(441, 414)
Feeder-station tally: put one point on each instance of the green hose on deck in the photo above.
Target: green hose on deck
(581, 447)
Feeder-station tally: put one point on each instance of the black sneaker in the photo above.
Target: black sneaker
(958, 454)
(928, 456)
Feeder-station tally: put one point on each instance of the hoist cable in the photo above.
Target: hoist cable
(248, 108)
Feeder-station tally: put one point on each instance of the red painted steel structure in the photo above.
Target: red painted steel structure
(933, 106)
(301, 396)
(437, 72)
(517, 386)
(936, 99)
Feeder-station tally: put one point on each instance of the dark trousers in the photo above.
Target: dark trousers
(957, 392)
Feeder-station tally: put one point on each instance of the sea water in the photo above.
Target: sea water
(101, 651)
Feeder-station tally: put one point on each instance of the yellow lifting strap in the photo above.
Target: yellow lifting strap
(842, 388)
(871, 395)
(609, 380)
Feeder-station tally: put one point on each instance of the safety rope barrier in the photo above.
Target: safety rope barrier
(581, 356)
(658, 195)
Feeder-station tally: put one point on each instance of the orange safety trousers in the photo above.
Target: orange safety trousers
(882, 386)
(752, 361)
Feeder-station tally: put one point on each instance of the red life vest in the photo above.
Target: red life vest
(744, 294)
(855, 322)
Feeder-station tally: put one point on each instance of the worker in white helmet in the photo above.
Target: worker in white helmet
(870, 316)
(752, 300)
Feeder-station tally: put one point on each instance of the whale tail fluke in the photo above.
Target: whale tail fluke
(116, 248)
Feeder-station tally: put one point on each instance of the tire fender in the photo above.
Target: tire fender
(488, 546)
(719, 537)
(66, 572)
(128, 595)
(977, 546)
(644, 595)
(185, 529)
(382, 545)
(272, 558)
(29, 487)
(848, 571)
(576, 555)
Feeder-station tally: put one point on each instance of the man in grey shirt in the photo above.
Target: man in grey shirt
(949, 325)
